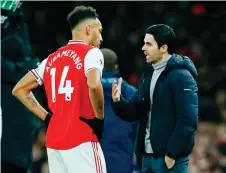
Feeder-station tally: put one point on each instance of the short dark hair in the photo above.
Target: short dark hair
(163, 34)
(110, 58)
(79, 14)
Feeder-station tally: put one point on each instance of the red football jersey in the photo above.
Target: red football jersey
(63, 74)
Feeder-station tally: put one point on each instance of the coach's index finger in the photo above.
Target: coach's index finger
(114, 85)
(120, 82)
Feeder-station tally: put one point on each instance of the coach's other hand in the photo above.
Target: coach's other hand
(169, 162)
(116, 90)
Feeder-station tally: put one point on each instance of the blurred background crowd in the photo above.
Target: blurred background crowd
(36, 29)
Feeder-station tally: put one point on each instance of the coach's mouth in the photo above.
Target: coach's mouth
(147, 56)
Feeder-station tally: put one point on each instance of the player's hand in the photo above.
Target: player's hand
(116, 90)
(96, 124)
(169, 162)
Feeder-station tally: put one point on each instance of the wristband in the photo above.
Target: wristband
(47, 118)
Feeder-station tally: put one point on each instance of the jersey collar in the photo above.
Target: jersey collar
(76, 42)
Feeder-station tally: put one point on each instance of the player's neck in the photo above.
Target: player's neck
(76, 36)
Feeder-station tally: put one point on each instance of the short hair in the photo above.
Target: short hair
(163, 34)
(110, 58)
(79, 14)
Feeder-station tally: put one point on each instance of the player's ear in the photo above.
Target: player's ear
(88, 29)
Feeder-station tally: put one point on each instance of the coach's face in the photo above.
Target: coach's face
(151, 49)
(96, 37)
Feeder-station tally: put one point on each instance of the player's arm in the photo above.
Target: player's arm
(23, 91)
(93, 66)
(96, 91)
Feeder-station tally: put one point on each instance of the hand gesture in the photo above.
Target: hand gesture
(116, 90)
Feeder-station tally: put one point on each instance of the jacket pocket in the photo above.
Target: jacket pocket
(188, 143)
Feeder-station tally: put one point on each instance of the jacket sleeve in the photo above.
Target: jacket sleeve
(129, 91)
(184, 88)
(126, 110)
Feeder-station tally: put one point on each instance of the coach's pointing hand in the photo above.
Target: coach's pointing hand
(116, 90)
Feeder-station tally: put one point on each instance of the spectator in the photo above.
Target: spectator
(118, 137)
(19, 124)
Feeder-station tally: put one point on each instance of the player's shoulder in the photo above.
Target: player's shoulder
(94, 52)
(94, 57)
(44, 61)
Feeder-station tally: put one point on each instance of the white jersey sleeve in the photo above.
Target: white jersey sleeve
(39, 72)
(94, 59)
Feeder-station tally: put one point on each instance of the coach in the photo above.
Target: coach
(166, 103)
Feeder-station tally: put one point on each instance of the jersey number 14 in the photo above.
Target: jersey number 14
(67, 89)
